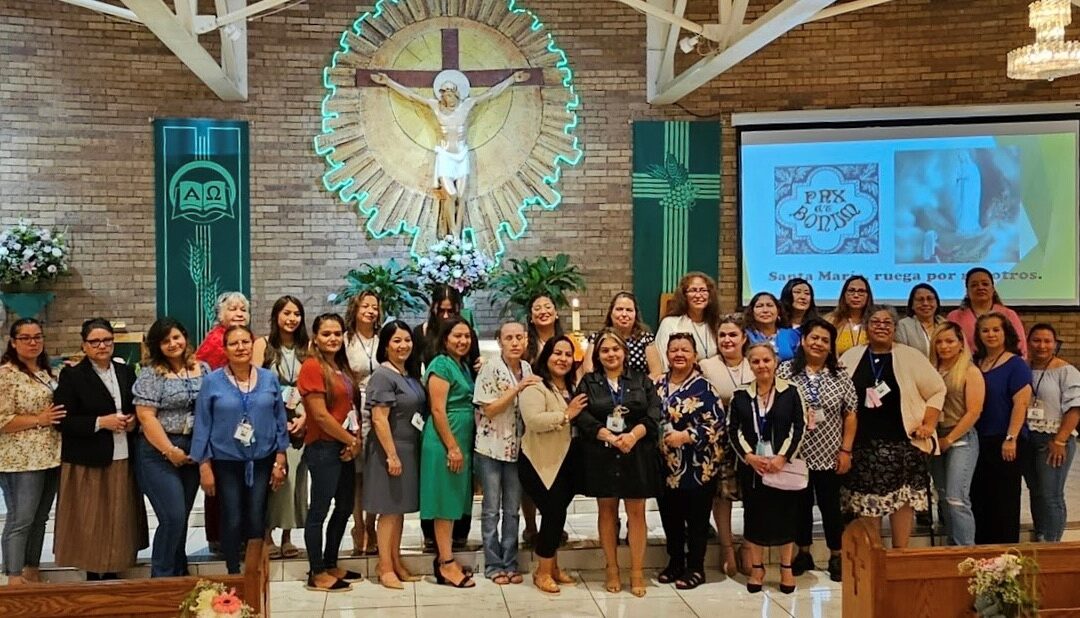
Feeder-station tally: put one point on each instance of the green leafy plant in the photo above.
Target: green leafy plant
(395, 284)
(524, 279)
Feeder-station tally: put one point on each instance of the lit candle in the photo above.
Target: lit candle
(575, 314)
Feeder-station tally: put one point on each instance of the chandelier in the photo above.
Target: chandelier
(1050, 56)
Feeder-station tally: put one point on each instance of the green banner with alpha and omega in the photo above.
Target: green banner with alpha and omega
(676, 191)
(202, 217)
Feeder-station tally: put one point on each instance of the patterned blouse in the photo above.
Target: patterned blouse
(635, 351)
(693, 406)
(173, 398)
(498, 437)
(1056, 391)
(36, 448)
(834, 394)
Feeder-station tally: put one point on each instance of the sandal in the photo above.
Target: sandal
(753, 587)
(787, 589)
(611, 579)
(288, 550)
(275, 552)
(690, 581)
(544, 583)
(515, 577)
(638, 585)
(500, 578)
(465, 582)
(670, 574)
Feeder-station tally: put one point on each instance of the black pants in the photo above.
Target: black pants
(824, 489)
(685, 515)
(995, 492)
(462, 527)
(552, 503)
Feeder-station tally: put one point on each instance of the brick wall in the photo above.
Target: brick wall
(77, 92)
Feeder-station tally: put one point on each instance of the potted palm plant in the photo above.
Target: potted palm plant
(524, 279)
(395, 284)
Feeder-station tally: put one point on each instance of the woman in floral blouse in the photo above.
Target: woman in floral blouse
(830, 401)
(693, 423)
(29, 449)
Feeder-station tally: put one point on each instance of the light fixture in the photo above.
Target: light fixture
(1050, 56)
(688, 44)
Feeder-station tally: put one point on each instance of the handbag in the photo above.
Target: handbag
(794, 476)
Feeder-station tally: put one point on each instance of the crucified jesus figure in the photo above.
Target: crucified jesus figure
(451, 107)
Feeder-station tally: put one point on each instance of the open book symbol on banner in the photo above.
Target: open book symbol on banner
(202, 192)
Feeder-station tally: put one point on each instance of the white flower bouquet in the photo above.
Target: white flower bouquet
(457, 263)
(30, 254)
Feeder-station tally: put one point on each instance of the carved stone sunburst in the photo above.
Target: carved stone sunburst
(379, 146)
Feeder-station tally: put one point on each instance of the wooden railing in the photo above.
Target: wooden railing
(135, 597)
(925, 582)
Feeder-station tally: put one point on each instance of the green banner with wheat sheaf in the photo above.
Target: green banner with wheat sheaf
(201, 215)
(676, 192)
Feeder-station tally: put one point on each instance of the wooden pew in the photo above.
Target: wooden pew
(881, 583)
(135, 597)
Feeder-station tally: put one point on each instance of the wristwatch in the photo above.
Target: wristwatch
(1009, 437)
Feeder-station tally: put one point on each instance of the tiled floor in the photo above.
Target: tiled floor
(817, 597)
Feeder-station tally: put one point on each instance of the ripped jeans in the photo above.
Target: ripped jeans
(952, 472)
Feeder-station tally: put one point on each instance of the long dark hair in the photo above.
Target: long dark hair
(341, 359)
(1012, 338)
(639, 328)
(787, 302)
(156, 335)
(540, 368)
(272, 355)
(444, 334)
(966, 303)
(798, 364)
(386, 333)
(680, 304)
(11, 356)
(911, 298)
(750, 322)
(532, 349)
(354, 305)
(840, 316)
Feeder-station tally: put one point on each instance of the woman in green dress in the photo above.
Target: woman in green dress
(446, 448)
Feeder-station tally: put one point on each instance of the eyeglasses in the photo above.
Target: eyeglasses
(697, 291)
(30, 338)
(239, 344)
(882, 323)
(99, 343)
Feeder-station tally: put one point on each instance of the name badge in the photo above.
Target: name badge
(615, 421)
(245, 433)
(817, 416)
(351, 423)
(1036, 412)
(764, 448)
(418, 421)
(882, 389)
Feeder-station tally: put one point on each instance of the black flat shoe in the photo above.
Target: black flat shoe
(337, 586)
(352, 576)
(802, 563)
(752, 587)
(783, 588)
(834, 568)
(690, 580)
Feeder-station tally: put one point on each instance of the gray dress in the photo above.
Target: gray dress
(385, 494)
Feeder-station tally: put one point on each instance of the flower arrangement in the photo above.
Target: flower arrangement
(212, 600)
(30, 254)
(457, 263)
(1003, 585)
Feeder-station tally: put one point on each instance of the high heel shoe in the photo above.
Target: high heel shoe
(466, 579)
(783, 588)
(752, 587)
(638, 586)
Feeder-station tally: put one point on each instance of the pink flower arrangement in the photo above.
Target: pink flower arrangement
(228, 603)
(1002, 585)
(212, 600)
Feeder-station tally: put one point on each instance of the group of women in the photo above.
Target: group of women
(780, 408)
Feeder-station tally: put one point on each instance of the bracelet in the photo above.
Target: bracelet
(844, 450)
(1061, 443)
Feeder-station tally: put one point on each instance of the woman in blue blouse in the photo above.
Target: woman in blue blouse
(694, 433)
(762, 320)
(239, 442)
(995, 487)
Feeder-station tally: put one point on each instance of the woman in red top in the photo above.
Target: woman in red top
(232, 308)
(328, 386)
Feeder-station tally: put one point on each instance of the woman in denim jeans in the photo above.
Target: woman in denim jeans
(29, 449)
(328, 387)
(953, 469)
(1052, 419)
(498, 440)
(164, 396)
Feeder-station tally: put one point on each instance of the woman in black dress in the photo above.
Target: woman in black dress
(766, 426)
(618, 437)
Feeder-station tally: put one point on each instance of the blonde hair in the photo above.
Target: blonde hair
(957, 374)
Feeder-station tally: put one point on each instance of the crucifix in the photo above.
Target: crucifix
(450, 106)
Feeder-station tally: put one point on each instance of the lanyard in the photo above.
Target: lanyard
(49, 384)
(245, 396)
(669, 396)
(759, 416)
(616, 395)
(369, 351)
(191, 395)
(736, 381)
(1036, 385)
(704, 341)
(877, 367)
(813, 390)
(290, 368)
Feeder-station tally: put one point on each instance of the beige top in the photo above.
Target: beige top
(921, 386)
(954, 410)
(726, 380)
(36, 448)
(547, 434)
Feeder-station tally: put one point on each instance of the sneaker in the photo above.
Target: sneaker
(802, 563)
(834, 568)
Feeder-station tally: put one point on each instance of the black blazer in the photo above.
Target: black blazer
(85, 397)
(639, 397)
(784, 422)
